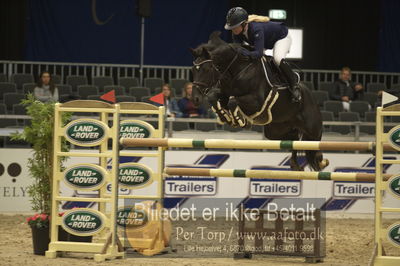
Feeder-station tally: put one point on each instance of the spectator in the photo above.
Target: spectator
(170, 103)
(345, 90)
(186, 105)
(46, 91)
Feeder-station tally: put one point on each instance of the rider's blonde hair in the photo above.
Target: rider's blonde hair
(257, 18)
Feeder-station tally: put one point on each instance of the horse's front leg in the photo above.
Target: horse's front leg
(219, 106)
(249, 103)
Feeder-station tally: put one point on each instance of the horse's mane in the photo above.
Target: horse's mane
(227, 51)
(221, 50)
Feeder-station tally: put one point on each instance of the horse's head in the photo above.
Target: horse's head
(205, 73)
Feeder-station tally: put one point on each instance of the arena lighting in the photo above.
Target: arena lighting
(279, 14)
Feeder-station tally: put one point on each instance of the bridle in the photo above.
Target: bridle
(208, 87)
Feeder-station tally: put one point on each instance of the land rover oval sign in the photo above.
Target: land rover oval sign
(85, 177)
(86, 132)
(394, 137)
(135, 129)
(394, 234)
(83, 222)
(134, 175)
(128, 217)
(394, 185)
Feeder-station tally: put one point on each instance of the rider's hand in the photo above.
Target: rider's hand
(358, 87)
(345, 98)
(243, 51)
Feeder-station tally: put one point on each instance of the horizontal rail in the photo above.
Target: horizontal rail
(273, 174)
(251, 144)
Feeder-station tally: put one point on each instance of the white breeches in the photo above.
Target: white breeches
(281, 49)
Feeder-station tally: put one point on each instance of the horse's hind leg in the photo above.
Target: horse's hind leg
(316, 160)
(282, 131)
(312, 130)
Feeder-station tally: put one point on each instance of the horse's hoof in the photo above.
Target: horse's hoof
(297, 168)
(248, 125)
(324, 163)
(219, 121)
(294, 166)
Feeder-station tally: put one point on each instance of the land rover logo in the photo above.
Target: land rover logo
(394, 234)
(394, 137)
(85, 177)
(134, 175)
(135, 129)
(84, 222)
(128, 217)
(394, 185)
(86, 132)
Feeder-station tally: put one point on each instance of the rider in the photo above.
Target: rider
(263, 34)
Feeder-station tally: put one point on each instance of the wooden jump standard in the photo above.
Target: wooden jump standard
(251, 144)
(272, 174)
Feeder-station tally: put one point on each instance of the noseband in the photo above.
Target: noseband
(208, 87)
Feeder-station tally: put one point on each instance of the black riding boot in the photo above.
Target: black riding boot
(291, 78)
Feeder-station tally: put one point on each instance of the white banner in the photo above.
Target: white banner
(352, 197)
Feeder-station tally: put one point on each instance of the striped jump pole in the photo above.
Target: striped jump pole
(251, 144)
(272, 174)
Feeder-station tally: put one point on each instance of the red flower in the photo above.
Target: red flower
(39, 220)
(43, 217)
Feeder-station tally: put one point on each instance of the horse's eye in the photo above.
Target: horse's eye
(197, 67)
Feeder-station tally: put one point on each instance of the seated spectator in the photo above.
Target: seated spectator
(345, 90)
(187, 106)
(46, 91)
(170, 103)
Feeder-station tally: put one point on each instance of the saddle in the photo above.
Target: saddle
(274, 74)
(263, 116)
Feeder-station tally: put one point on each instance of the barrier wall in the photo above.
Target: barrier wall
(389, 141)
(383, 233)
(98, 178)
(90, 132)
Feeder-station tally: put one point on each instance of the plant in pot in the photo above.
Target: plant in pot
(39, 133)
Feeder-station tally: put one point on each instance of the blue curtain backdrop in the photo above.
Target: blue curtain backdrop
(75, 31)
(389, 39)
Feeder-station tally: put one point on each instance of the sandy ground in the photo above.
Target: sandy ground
(349, 242)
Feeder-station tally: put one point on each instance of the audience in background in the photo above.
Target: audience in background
(170, 103)
(186, 104)
(46, 91)
(345, 90)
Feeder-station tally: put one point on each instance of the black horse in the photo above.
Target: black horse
(237, 88)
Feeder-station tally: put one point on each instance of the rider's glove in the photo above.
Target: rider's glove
(243, 51)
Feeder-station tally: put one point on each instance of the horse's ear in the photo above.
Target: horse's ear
(214, 34)
(214, 38)
(205, 53)
(193, 51)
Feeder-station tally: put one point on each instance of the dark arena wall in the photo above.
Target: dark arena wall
(362, 34)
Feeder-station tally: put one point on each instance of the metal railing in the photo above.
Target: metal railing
(171, 72)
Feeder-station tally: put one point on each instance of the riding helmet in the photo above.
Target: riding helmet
(235, 17)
